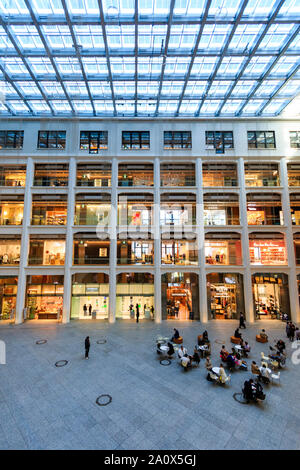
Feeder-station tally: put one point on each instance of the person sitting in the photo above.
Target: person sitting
(246, 349)
(176, 335)
(181, 352)
(224, 354)
(205, 337)
(207, 350)
(237, 334)
(208, 363)
(230, 361)
(265, 374)
(263, 335)
(196, 357)
(280, 345)
(238, 361)
(185, 361)
(222, 374)
(248, 390)
(158, 350)
(171, 350)
(255, 369)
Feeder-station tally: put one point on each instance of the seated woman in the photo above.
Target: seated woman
(175, 335)
(239, 363)
(222, 374)
(196, 357)
(265, 374)
(208, 363)
(171, 350)
(181, 352)
(205, 336)
(224, 354)
(230, 361)
(158, 350)
(263, 334)
(237, 334)
(246, 349)
(255, 369)
(185, 361)
(280, 345)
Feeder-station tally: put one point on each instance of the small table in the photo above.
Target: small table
(238, 348)
(216, 370)
(164, 348)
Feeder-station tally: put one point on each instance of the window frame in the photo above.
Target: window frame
(213, 137)
(18, 139)
(55, 135)
(183, 145)
(297, 146)
(135, 142)
(257, 135)
(101, 138)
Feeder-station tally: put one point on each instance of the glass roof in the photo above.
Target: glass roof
(153, 58)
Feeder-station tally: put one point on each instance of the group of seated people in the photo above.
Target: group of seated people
(262, 372)
(169, 352)
(232, 359)
(187, 360)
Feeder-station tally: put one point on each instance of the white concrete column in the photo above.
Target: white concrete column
(248, 295)
(21, 292)
(69, 242)
(157, 243)
(113, 241)
(293, 289)
(201, 240)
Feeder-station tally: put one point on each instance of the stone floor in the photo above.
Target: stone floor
(153, 407)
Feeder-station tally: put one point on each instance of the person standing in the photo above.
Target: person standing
(90, 309)
(137, 311)
(85, 310)
(242, 321)
(87, 346)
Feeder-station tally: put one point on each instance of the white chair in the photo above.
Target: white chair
(264, 358)
(275, 377)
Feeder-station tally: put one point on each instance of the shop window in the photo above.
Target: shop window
(177, 140)
(46, 252)
(11, 210)
(295, 139)
(49, 210)
(136, 252)
(135, 292)
(131, 174)
(225, 298)
(293, 174)
(135, 140)
(88, 249)
(90, 296)
(180, 296)
(271, 295)
(221, 209)
(177, 209)
(219, 140)
(51, 175)
(179, 252)
(13, 175)
(44, 297)
(93, 141)
(52, 140)
(223, 249)
(135, 209)
(267, 249)
(261, 174)
(92, 209)
(8, 297)
(182, 174)
(264, 209)
(97, 175)
(215, 174)
(261, 139)
(10, 246)
(11, 139)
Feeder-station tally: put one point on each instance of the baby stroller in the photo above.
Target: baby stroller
(253, 392)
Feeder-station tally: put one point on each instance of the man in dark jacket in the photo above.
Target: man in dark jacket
(87, 346)
(242, 321)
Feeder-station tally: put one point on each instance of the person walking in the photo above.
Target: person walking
(85, 310)
(90, 310)
(87, 346)
(242, 321)
(137, 312)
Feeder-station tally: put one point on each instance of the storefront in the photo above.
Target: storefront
(47, 251)
(51, 174)
(180, 296)
(264, 209)
(90, 174)
(90, 296)
(11, 209)
(89, 249)
(44, 297)
(139, 249)
(225, 297)
(223, 248)
(177, 174)
(219, 174)
(177, 209)
(261, 174)
(135, 174)
(267, 248)
(295, 208)
(92, 209)
(49, 209)
(135, 210)
(8, 297)
(221, 209)
(271, 295)
(10, 246)
(180, 252)
(135, 291)
(13, 175)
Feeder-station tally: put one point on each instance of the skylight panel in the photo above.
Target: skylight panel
(13, 7)
(219, 88)
(147, 88)
(48, 7)
(276, 37)
(76, 88)
(5, 42)
(167, 107)
(243, 88)
(170, 88)
(183, 37)
(290, 8)
(18, 106)
(14, 65)
(104, 107)
(224, 8)
(28, 89)
(120, 37)
(149, 66)
(27, 37)
(195, 88)
(177, 65)
(3, 109)
(83, 106)
(68, 65)
(267, 88)
(41, 66)
(61, 106)
(52, 88)
(214, 37)
(89, 36)
(231, 107)
(189, 107)
(245, 37)
(99, 89)
(115, 8)
(284, 66)
(253, 106)
(210, 107)
(123, 66)
(230, 66)
(295, 44)
(151, 7)
(257, 66)
(125, 106)
(39, 106)
(203, 66)
(152, 36)
(95, 66)
(189, 7)
(274, 107)
(260, 8)
(83, 7)
(7, 89)
(124, 88)
(58, 37)
(146, 107)
(291, 88)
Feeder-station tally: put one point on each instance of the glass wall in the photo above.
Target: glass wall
(264, 209)
(271, 295)
(13, 175)
(219, 174)
(180, 296)
(267, 249)
(90, 174)
(177, 209)
(49, 210)
(51, 175)
(139, 251)
(223, 249)
(135, 291)
(88, 249)
(11, 210)
(8, 297)
(90, 296)
(221, 209)
(177, 174)
(293, 174)
(135, 174)
(47, 251)
(180, 252)
(225, 297)
(92, 209)
(295, 208)
(261, 174)
(135, 209)
(44, 297)
(10, 246)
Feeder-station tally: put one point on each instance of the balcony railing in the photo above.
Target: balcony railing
(149, 259)
(90, 261)
(41, 262)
